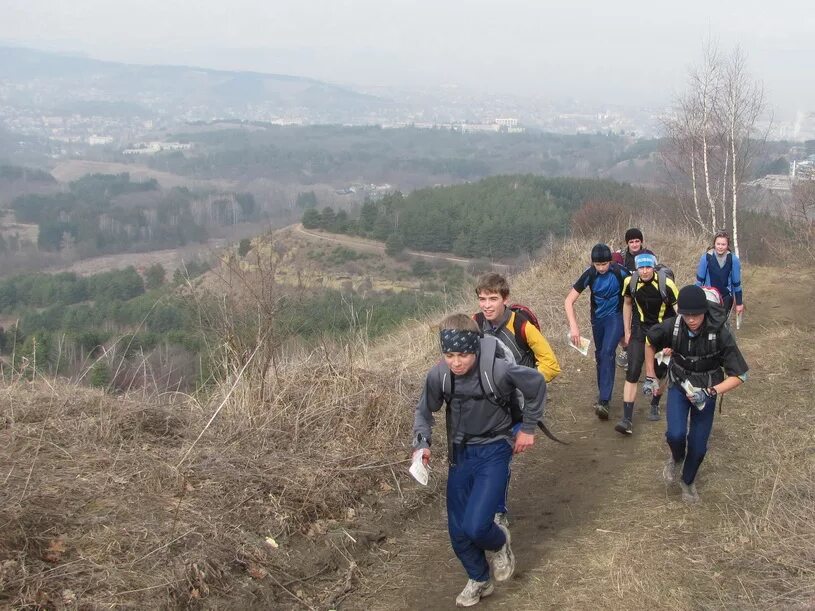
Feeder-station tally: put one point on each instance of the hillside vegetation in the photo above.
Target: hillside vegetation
(474, 220)
(285, 485)
(102, 213)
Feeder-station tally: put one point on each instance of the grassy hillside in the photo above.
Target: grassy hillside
(285, 486)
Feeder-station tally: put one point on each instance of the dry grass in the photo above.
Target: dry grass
(162, 504)
(751, 543)
(112, 502)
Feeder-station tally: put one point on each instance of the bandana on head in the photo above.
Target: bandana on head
(459, 341)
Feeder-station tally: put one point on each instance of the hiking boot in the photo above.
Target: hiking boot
(689, 494)
(473, 592)
(622, 359)
(624, 427)
(503, 561)
(650, 386)
(654, 413)
(502, 519)
(601, 409)
(670, 471)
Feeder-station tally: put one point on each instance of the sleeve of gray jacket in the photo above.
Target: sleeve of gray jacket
(533, 387)
(430, 401)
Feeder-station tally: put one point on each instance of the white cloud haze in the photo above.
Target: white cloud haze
(629, 52)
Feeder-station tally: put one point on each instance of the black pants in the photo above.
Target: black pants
(636, 356)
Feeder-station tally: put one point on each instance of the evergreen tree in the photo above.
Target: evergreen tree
(311, 218)
(154, 276)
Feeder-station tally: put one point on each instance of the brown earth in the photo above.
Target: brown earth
(593, 524)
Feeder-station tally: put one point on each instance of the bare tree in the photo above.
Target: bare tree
(742, 107)
(712, 139)
(802, 215)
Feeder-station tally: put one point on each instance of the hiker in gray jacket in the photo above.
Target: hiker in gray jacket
(484, 428)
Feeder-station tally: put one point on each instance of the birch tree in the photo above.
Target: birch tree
(712, 139)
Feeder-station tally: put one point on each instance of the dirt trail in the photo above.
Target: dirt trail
(582, 513)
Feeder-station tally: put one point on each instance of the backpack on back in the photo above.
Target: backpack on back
(662, 272)
(523, 314)
(716, 318)
(488, 355)
(485, 362)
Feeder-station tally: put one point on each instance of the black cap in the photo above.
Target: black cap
(692, 300)
(600, 253)
(633, 234)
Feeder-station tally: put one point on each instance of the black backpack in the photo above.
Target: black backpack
(716, 318)
(662, 272)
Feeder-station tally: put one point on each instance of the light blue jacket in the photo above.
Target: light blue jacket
(727, 281)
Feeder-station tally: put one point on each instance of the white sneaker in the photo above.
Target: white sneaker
(689, 494)
(473, 592)
(670, 471)
(503, 561)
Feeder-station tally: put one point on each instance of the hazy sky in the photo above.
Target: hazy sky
(627, 51)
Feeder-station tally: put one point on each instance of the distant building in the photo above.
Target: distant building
(151, 148)
(95, 140)
(803, 170)
(507, 122)
(772, 182)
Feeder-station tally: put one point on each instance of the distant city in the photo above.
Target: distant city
(73, 103)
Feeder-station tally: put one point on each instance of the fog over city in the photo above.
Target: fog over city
(628, 53)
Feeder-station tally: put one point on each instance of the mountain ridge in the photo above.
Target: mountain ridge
(165, 89)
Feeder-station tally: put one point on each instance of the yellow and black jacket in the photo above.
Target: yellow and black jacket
(530, 349)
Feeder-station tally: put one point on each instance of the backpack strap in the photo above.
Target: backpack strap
(632, 284)
(662, 282)
(447, 393)
(518, 330)
(447, 385)
(675, 335)
(713, 341)
(708, 262)
(618, 271)
(592, 276)
(614, 268)
(734, 284)
(486, 372)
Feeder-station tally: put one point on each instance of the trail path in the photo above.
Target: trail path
(593, 525)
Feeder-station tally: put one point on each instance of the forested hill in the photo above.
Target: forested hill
(502, 216)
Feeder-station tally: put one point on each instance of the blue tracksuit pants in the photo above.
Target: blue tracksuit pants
(476, 484)
(607, 333)
(688, 444)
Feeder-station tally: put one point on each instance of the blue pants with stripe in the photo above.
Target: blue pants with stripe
(688, 443)
(476, 484)
(607, 331)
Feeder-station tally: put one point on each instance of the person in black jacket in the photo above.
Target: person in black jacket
(633, 247)
(709, 363)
